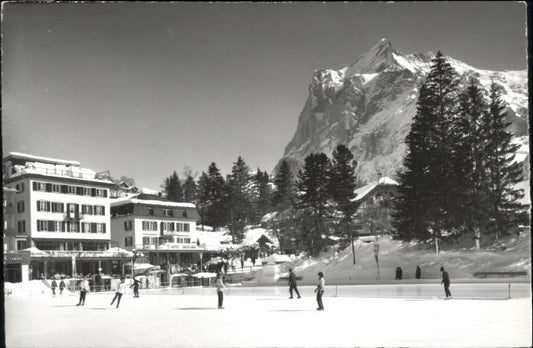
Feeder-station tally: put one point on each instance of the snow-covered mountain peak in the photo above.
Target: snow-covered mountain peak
(377, 59)
(369, 106)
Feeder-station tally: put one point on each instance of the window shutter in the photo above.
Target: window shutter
(34, 186)
(93, 192)
(162, 226)
(105, 193)
(172, 227)
(47, 206)
(62, 226)
(93, 227)
(103, 228)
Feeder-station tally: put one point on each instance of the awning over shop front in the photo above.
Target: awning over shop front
(34, 252)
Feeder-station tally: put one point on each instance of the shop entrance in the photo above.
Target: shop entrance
(13, 273)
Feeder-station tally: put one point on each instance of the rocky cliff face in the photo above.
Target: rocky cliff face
(369, 106)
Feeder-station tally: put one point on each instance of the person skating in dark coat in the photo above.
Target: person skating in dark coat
(61, 287)
(320, 291)
(446, 282)
(418, 273)
(292, 283)
(54, 286)
(135, 287)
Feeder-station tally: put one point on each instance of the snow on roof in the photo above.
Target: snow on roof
(363, 191)
(126, 200)
(149, 191)
(20, 155)
(252, 236)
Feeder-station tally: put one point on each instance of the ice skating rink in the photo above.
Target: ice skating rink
(258, 318)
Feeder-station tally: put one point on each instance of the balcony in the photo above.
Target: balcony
(73, 216)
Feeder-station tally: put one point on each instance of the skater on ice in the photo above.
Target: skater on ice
(320, 291)
(446, 282)
(292, 284)
(61, 286)
(220, 290)
(121, 289)
(54, 286)
(135, 287)
(84, 287)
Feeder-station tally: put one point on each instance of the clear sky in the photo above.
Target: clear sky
(143, 89)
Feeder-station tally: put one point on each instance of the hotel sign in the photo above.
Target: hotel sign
(19, 257)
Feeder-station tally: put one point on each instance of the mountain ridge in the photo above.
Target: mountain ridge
(369, 106)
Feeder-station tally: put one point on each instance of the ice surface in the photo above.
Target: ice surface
(158, 320)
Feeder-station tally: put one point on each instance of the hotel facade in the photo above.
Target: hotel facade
(56, 219)
(163, 232)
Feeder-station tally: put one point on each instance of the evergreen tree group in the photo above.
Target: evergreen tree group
(459, 169)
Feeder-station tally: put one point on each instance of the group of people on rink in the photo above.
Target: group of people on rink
(220, 286)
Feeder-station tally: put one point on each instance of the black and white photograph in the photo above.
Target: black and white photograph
(275, 174)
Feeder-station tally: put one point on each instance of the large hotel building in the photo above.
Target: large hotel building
(56, 219)
(60, 218)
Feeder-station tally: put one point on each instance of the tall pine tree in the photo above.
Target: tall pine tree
(202, 197)
(172, 187)
(282, 199)
(342, 191)
(505, 210)
(238, 183)
(425, 203)
(189, 189)
(216, 197)
(312, 201)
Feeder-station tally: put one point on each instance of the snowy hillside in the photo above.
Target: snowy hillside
(369, 105)
(511, 254)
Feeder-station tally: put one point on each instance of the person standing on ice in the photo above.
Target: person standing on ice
(292, 283)
(220, 290)
(121, 289)
(320, 291)
(84, 287)
(61, 286)
(418, 273)
(446, 282)
(54, 286)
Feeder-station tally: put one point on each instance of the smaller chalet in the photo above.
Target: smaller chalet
(374, 212)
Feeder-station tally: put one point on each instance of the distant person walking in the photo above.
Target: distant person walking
(54, 286)
(135, 287)
(84, 287)
(61, 286)
(121, 289)
(446, 282)
(220, 290)
(320, 291)
(418, 273)
(292, 283)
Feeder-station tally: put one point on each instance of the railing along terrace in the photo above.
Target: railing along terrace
(54, 171)
(84, 253)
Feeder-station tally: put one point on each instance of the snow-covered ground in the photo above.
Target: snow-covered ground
(461, 261)
(157, 319)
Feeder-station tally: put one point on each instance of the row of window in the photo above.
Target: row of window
(69, 189)
(165, 226)
(147, 241)
(72, 208)
(70, 226)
